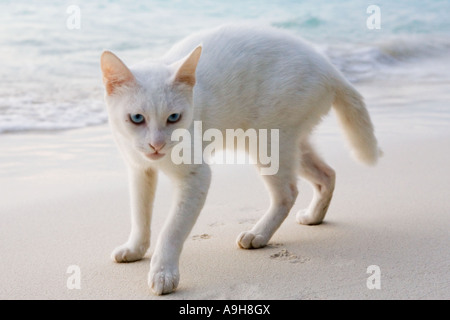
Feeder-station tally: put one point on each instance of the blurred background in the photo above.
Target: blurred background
(49, 50)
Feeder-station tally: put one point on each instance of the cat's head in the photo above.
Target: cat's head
(146, 103)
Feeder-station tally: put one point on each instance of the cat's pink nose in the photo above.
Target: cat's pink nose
(157, 146)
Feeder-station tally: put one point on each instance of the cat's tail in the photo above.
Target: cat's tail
(355, 121)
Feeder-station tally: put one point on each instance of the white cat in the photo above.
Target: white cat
(230, 77)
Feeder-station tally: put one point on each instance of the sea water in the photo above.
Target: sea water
(49, 50)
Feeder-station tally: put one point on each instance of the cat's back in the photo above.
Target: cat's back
(247, 70)
(232, 38)
(256, 49)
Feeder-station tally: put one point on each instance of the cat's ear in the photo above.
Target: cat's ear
(115, 72)
(186, 67)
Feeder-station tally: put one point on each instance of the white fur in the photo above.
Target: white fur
(246, 77)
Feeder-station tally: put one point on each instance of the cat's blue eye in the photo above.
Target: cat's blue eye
(174, 117)
(137, 118)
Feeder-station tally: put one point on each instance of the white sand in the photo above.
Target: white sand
(64, 201)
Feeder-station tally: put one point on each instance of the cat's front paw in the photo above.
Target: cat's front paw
(163, 280)
(306, 218)
(129, 253)
(249, 240)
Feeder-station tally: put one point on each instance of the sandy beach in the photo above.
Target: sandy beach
(64, 198)
(64, 201)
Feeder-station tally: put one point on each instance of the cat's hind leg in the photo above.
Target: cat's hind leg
(322, 178)
(283, 193)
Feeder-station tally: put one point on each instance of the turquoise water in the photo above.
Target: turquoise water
(49, 73)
